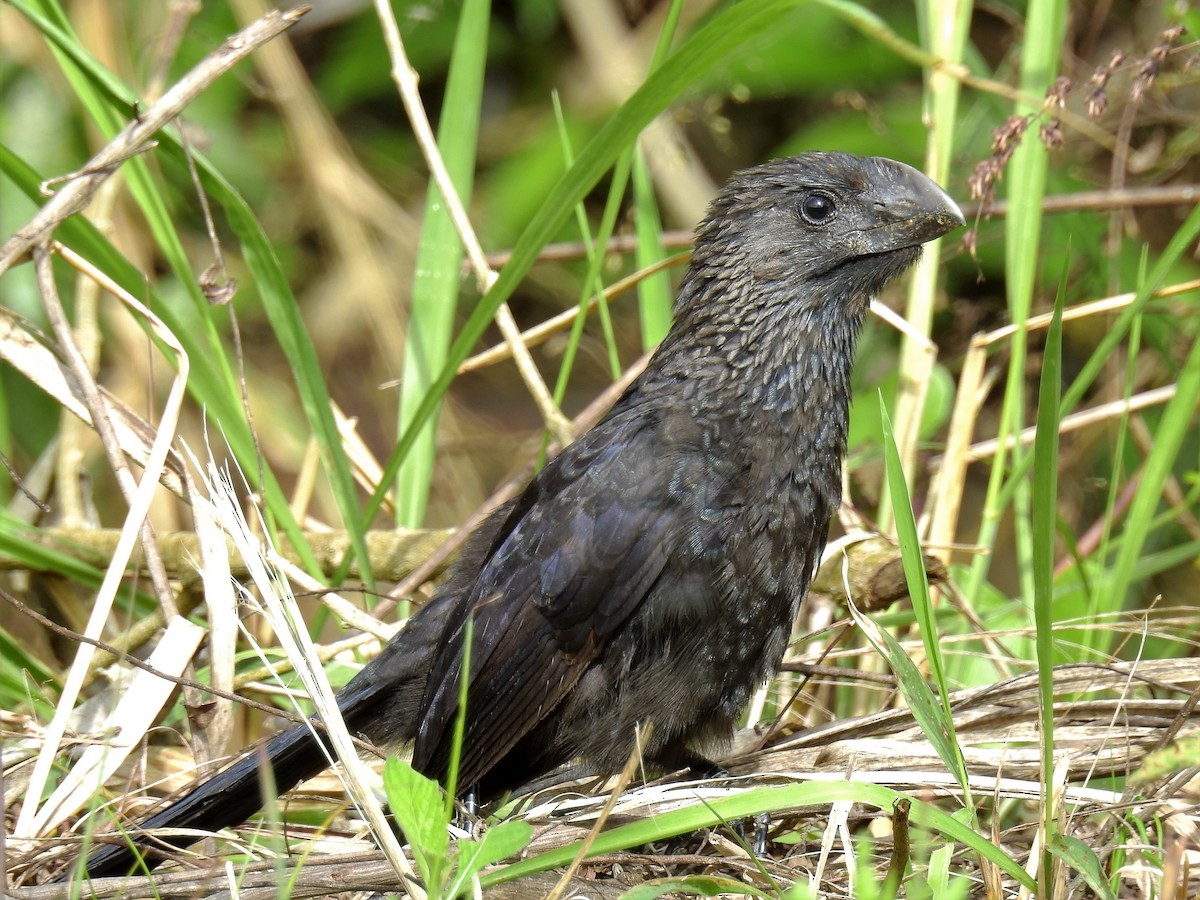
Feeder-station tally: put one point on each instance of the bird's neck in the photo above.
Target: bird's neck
(772, 371)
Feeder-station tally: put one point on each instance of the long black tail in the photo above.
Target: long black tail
(382, 702)
(229, 797)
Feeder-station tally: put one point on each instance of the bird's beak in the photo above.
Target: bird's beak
(911, 208)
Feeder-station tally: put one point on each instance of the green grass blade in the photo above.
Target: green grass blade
(591, 281)
(20, 669)
(37, 557)
(944, 26)
(1027, 177)
(654, 293)
(1045, 518)
(439, 256)
(460, 717)
(926, 707)
(1083, 859)
(1116, 480)
(938, 721)
(625, 165)
(1172, 430)
(1026, 180)
(283, 312)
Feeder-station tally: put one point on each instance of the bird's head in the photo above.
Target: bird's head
(839, 225)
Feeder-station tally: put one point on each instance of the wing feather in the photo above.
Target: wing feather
(565, 575)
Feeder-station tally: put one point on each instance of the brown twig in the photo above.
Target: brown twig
(134, 137)
(900, 847)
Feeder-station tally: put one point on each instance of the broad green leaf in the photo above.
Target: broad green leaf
(499, 842)
(416, 802)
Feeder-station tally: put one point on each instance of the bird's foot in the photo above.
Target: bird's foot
(757, 847)
(762, 829)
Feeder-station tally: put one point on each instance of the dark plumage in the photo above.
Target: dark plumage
(652, 571)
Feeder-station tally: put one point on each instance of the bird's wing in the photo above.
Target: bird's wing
(573, 561)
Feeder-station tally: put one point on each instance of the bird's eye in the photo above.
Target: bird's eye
(818, 208)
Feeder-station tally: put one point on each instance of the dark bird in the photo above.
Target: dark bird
(652, 571)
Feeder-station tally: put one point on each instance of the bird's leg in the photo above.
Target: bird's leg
(466, 814)
(762, 829)
(470, 801)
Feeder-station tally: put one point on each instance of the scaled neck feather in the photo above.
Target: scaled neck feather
(772, 361)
